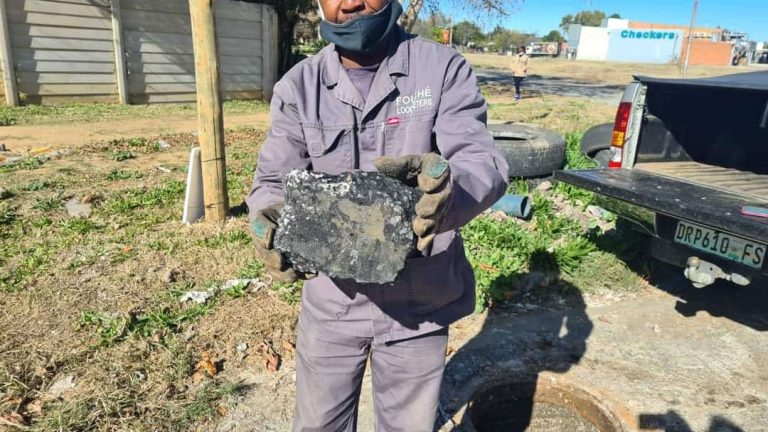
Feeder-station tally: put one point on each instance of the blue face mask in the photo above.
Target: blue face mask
(365, 34)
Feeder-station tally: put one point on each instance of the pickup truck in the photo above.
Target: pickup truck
(688, 165)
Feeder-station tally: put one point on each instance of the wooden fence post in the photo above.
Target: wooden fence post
(209, 111)
(6, 60)
(120, 65)
(268, 51)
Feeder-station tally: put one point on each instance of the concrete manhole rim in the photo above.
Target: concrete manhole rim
(555, 391)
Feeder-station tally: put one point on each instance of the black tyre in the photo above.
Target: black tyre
(597, 138)
(529, 151)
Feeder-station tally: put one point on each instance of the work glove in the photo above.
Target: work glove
(263, 228)
(432, 175)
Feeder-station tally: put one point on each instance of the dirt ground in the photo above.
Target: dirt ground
(599, 72)
(671, 358)
(27, 137)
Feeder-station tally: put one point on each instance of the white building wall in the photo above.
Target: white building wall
(615, 23)
(593, 44)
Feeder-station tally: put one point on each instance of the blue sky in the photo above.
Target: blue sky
(541, 16)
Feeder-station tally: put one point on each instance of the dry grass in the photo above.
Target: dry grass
(604, 72)
(564, 114)
(90, 297)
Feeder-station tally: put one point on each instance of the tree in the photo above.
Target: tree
(553, 36)
(503, 39)
(288, 15)
(467, 32)
(588, 18)
(414, 7)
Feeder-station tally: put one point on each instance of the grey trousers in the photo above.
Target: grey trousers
(329, 373)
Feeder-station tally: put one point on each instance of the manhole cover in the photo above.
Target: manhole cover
(542, 407)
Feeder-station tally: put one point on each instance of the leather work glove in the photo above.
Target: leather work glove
(263, 228)
(432, 175)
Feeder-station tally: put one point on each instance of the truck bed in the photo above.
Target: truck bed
(675, 198)
(725, 179)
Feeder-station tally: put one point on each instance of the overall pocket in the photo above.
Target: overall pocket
(329, 150)
(411, 136)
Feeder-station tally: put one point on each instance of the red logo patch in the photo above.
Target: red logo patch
(393, 121)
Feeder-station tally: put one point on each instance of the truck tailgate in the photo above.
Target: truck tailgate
(678, 199)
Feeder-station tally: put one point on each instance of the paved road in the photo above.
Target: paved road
(607, 93)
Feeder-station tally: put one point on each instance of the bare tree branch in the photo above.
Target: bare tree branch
(490, 7)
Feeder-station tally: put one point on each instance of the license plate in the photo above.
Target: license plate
(721, 244)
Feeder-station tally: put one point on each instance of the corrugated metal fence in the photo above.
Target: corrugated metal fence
(65, 49)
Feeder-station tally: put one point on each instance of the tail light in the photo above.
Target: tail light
(619, 134)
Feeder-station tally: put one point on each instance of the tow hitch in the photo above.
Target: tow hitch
(703, 273)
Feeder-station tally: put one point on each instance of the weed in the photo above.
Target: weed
(42, 222)
(124, 175)
(49, 204)
(110, 328)
(123, 156)
(6, 117)
(254, 269)
(570, 255)
(114, 328)
(27, 163)
(78, 226)
(289, 293)
(36, 185)
(30, 262)
(131, 199)
(239, 238)
(162, 246)
(7, 214)
(237, 290)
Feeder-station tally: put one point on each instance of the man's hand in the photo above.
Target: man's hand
(263, 228)
(432, 174)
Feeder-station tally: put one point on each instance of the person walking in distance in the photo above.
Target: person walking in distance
(519, 69)
(379, 99)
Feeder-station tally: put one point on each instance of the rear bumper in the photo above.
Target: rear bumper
(655, 204)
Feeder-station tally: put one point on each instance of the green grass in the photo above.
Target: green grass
(237, 238)
(121, 156)
(126, 201)
(49, 204)
(93, 112)
(115, 328)
(35, 186)
(503, 253)
(26, 163)
(115, 175)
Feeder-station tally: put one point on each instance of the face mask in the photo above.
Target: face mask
(366, 33)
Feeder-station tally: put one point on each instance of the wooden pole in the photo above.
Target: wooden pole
(120, 66)
(6, 59)
(209, 112)
(690, 38)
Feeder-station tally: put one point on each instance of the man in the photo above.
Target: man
(378, 98)
(519, 69)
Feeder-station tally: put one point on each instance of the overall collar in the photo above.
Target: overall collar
(397, 60)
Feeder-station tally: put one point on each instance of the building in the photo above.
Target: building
(137, 51)
(643, 42)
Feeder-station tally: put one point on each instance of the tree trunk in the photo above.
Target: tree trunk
(410, 15)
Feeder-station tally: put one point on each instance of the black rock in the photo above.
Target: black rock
(349, 226)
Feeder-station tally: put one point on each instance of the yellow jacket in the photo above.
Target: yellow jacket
(520, 65)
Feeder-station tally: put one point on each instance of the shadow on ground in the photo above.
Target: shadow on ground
(516, 344)
(673, 422)
(607, 93)
(744, 305)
